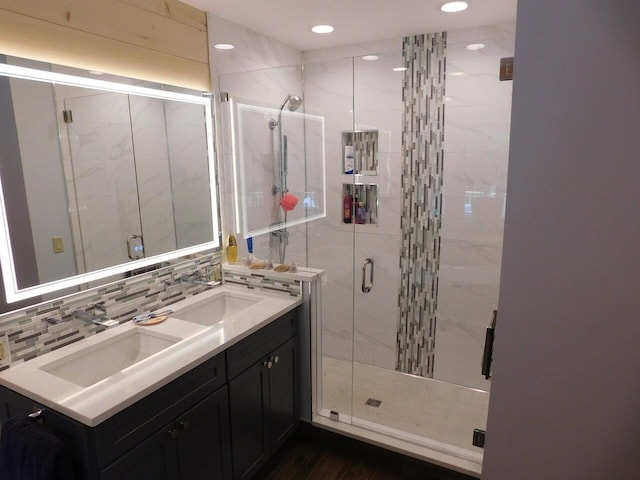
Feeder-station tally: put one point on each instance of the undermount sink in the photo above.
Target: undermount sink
(106, 358)
(212, 310)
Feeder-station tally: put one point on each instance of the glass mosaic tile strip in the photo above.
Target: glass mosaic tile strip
(423, 89)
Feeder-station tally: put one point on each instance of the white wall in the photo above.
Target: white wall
(565, 394)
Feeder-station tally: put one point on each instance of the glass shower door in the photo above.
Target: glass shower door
(105, 188)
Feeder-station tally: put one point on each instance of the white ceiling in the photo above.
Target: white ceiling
(355, 21)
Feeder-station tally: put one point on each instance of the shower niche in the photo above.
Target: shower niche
(360, 204)
(360, 152)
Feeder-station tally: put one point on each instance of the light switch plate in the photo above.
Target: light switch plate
(58, 245)
(5, 354)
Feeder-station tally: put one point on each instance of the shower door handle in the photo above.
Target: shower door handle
(366, 287)
(487, 355)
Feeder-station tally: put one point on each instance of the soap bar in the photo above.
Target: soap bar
(151, 320)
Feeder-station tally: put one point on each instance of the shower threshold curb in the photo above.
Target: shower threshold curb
(452, 461)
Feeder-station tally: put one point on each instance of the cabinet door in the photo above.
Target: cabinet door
(248, 397)
(154, 458)
(204, 449)
(283, 393)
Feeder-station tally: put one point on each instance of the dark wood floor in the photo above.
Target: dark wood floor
(319, 455)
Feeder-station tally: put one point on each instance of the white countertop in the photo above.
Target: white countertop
(94, 404)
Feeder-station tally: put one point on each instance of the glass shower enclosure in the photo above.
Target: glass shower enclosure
(398, 351)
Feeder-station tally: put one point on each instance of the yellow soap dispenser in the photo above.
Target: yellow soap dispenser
(232, 249)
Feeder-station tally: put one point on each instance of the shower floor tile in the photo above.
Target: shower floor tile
(420, 407)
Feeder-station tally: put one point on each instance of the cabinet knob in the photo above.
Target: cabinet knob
(267, 363)
(173, 433)
(275, 359)
(184, 425)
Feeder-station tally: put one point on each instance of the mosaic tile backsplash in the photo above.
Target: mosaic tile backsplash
(422, 164)
(31, 335)
(263, 282)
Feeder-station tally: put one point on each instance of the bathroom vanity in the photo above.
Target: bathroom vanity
(216, 398)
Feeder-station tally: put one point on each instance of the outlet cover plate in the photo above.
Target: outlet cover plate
(5, 354)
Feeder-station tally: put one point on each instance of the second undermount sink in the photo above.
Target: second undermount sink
(214, 309)
(104, 359)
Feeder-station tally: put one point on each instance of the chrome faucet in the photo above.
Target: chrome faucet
(199, 279)
(85, 316)
(93, 318)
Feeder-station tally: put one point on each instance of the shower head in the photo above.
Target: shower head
(294, 102)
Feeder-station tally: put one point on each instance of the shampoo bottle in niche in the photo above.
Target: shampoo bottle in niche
(349, 161)
(361, 212)
(232, 249)
(347, 205)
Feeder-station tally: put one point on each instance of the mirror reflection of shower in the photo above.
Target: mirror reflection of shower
(280, 238)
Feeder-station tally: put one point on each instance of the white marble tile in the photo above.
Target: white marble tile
(252, 51)
(391, 45)
(376, 86)
(329, 87)
(267, 87)
(498, 38)
(477, 127)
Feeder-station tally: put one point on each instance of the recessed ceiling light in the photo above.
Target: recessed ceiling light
(400, 69)
(475, 46)
(224, 46)
(370, 58)
(454, 7)
(322, 29)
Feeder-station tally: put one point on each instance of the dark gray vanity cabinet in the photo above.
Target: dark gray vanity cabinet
(263, 395)
(220, 420)
(193, 447)
(178, 432)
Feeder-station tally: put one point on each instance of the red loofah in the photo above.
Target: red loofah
(288, 202)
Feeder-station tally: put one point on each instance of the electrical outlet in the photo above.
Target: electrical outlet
(5, 354)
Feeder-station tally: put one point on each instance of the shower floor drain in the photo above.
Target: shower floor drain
(372, 402)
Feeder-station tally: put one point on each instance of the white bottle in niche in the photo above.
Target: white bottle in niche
(348, 159)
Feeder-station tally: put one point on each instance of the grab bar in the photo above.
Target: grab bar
(366, 288)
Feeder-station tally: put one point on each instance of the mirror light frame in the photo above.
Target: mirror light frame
(12, 291)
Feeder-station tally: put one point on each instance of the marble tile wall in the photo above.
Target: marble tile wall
(351, 93)
(107, 216)
(355, 94)
(191, 190)
(31, 335)
(258, 71)
(153, 171)
(475, 179)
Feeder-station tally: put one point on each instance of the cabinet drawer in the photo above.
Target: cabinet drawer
(245, 353)
(125, 430)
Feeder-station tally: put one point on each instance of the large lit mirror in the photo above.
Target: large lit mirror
(99, 178)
